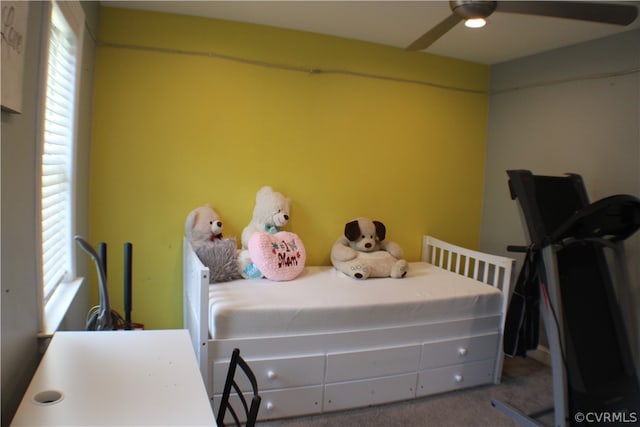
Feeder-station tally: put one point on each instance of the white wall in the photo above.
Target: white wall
(19, 346)
(19, 309)
(575, 109)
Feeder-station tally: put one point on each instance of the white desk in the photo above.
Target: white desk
(117, 378)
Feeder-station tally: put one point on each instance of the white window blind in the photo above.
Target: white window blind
(58, 153)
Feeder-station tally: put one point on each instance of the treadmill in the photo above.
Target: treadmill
(594, 378)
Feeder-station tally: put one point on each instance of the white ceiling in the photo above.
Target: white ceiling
(398, 23)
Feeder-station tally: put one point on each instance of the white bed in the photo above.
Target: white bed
(325, 342)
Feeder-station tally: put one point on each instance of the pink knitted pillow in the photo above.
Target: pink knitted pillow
(278, 256)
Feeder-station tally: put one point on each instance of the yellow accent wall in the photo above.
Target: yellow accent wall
(190, 111)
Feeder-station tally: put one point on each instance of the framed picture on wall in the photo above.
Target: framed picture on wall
(14, 26)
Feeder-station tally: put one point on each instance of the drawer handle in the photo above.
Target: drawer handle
(458, 378)
(269, 405)
(463, 351)
(271, 375)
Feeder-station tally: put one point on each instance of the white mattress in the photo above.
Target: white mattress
(322, 299)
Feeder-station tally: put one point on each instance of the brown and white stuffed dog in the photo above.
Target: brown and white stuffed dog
(363, 252)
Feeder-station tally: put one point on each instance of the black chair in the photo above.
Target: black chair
(592, 363)
(250, 412)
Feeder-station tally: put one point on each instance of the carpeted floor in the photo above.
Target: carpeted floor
(526, 385)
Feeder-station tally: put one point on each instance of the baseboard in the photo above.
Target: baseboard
(540, 354)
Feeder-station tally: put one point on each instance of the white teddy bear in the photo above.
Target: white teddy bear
(203, 225)
(270, 214)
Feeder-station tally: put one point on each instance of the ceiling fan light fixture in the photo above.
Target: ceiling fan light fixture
(475, 22)
(469, 10)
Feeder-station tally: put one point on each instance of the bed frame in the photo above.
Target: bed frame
(321, 372)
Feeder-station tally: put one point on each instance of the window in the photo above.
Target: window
(61, 67)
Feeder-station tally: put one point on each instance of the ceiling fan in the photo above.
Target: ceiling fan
(609, 13)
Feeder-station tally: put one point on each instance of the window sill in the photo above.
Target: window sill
(56, 308)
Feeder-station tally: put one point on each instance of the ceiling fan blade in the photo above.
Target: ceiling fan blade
(608, 13)
(428, 38)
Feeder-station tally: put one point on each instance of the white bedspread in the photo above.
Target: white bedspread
(322, 299)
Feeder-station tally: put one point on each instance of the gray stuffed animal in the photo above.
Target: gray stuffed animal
(203, 229)
(220, 256)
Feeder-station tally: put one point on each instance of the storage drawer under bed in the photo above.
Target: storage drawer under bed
(354, 394)
(455, 377)
(357, 365)
(459, 350)
(275, 373)
(281, 403)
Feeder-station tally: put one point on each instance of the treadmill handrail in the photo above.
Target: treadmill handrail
(613, 218)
